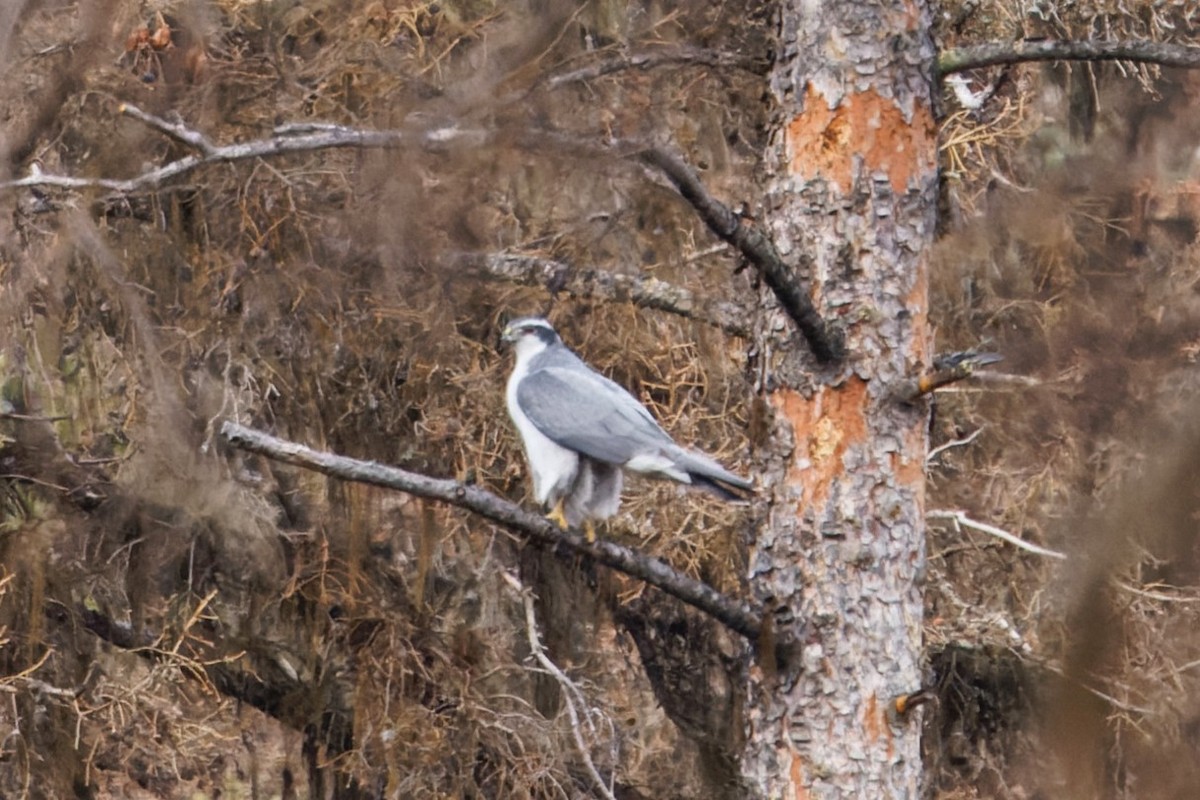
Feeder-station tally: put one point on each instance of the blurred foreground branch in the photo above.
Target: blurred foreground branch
(738, 616)
(650, 59)
(750, 240)
(959, 59)
(640, 290)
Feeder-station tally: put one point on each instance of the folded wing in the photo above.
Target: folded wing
(587, 413)
(583, 411)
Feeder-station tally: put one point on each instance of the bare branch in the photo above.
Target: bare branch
(960, 518)
(753, 242)
(738, 616)
(571, 693)
(649, 60)
(176, 130)
(750, 240)
(557, 276)
(959, 59)
(279, 144)
(937, 451)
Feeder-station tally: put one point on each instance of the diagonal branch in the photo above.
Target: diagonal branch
(738, 616)
(959, 59)
(960, 518)
(640, 290)
(176, 130)
(753, 243)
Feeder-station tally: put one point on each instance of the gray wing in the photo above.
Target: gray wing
(585, 412)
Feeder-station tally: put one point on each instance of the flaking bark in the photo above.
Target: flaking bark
(853, 181)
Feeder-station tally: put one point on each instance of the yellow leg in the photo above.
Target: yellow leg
(589, 530)
(558, 516)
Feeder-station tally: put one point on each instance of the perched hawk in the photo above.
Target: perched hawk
(580, 430)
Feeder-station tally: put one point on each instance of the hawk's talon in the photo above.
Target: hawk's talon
(589, 530)
(558, 516)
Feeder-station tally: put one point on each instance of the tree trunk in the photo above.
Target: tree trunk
(852, 189)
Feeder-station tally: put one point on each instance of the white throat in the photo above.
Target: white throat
(526, 348)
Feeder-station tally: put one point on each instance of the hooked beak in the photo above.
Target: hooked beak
(508, 335)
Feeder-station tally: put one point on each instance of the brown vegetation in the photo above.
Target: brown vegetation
(178, 618)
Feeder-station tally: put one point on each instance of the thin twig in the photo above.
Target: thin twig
(958, 59)
(643, 291)
(960, 518)
(966, 440)
(1149, 595)
(176, 130)
(737, 615)
(571, 692)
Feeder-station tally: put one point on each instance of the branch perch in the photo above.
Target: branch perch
(738, 616)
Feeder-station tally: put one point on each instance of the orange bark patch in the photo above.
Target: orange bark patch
(875, 723)
(796, 773)
(912, 16)
(826, 142)
(825, 425)
(871, 719)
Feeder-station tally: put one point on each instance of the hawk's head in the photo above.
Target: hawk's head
(529, 335)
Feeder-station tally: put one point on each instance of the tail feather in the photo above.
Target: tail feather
(720, 490)
(710, 476)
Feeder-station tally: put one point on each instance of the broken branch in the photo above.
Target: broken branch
(947, 369)
(960, 519)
